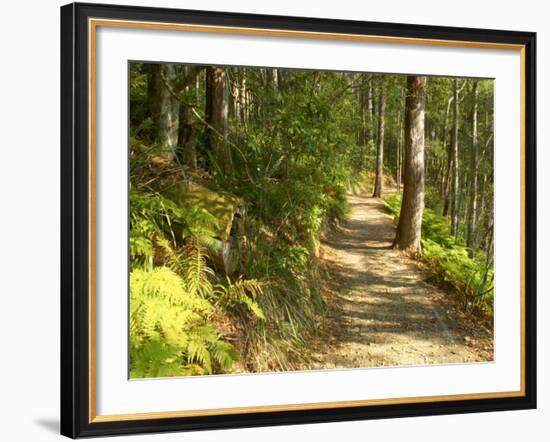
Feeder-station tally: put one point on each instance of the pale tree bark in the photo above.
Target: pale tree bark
(365, 98)
(447, 186)
(402, 142)
(273, 76)
(236, 94)
(364, 135)
(244, 94)
(165, 108)
(217, 106)
(445, 182)
(448, 181)
(370, 113)
(454, 147)
(378, 181)
(408, 233)
(427, 139)
(400, 159)
(398, 156)
(362, 98)
(472, 212)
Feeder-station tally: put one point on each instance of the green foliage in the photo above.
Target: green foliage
(174, 292)
(448, 257)
(153, 215)
(243, 292)
(169, 333)
(296, 141)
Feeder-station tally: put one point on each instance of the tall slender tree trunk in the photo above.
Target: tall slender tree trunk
(398, 155)
(489, 256)
(378, 181)
(217, 106)
(165, 108)
(186, 152)
(472, 212)
(365, 107)
(245, 104)
(399, 149)
(408, 233)
(370, 113)
(446, 174)
(427, 139)
(482, 202)
(448, 181)
(273, 75)
(364, 129)
(236, 94)
(455, 179)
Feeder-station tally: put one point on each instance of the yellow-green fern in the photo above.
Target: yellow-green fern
(169, 333)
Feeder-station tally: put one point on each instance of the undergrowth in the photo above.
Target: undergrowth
(448, 258)
(187, 317)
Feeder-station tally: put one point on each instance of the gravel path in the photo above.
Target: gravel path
(381, 309)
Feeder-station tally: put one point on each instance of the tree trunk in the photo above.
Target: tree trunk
(186, 152)
(445, 177)
(362, 135)
(366, 111)
(455, 181)
(236, 94)
(165, 108)
(273, 75)
(427, 139)
(408, 233)
(447, 181)
(370, 113)
(378, 181)
(244, 100)
(472, 212)
(217, 106)
(399, 142)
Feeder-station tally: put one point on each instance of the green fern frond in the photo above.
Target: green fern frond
(169, 334)
(242, 291)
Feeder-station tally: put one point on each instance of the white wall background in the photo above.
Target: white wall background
(29, 220)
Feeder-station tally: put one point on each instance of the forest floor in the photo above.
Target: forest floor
(382, 308)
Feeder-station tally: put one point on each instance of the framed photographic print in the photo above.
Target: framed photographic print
(275, 220)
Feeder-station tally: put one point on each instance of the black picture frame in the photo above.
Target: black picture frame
(75, 220)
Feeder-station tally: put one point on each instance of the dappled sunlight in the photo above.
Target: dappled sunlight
(384, 312)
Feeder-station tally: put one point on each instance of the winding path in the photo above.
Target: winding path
(381, 309)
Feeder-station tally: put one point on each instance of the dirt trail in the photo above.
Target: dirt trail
(381, 309)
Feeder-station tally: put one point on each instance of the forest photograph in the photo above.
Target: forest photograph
(288, 220)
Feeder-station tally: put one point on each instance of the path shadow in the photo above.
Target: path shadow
(354, 246)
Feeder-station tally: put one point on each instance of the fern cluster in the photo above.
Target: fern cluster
(174, 292)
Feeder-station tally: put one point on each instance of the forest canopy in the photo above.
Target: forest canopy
(236, 175)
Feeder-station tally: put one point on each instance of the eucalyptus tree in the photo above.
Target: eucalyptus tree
(408, 234)
(379, 178)
(472, 211)
(455, 166)
(165, 107)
